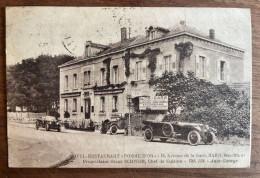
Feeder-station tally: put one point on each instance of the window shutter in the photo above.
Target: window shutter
(218, 70)
(136, 71)
(197, 59)
(227, 72)
(143, 72)
(173, 66)
(133, 74)
(159, 71)
(207, 68)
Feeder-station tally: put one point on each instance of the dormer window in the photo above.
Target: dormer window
(155, 32)
(152, 35)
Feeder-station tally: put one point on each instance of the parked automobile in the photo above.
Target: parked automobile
(115, 123)
(192, 132)
(48, 122)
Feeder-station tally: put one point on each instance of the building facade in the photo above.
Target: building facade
(95, 86)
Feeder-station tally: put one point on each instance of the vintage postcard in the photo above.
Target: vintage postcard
(128, 87)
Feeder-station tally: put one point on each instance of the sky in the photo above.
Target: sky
(32, 31)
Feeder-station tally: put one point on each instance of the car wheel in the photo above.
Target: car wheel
(113, 130)
(47, 127)
(194, 138)
(59, 129)
(210, 138)
(148, 135)
(163, 139)
(167, 130)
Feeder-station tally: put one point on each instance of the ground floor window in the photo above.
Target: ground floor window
(222, 70)
(65, 105)
(74, 105)
(102, 104)
(115, 104)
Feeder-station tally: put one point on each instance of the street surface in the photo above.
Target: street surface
(29, 147)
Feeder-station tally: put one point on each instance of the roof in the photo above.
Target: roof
(140, 40)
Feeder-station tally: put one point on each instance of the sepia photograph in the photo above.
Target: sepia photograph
(128, 87)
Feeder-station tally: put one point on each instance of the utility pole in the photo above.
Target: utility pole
(129, 98)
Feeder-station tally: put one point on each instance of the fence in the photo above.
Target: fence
(24, 117)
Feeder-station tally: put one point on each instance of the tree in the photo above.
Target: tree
(216, 105)
(34, 83)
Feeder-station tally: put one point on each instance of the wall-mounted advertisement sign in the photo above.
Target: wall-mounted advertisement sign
(153, 103)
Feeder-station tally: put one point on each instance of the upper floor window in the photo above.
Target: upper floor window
(102, 104)
(152, 35)
(222, 70)
(102, 76)
(115, 74)
(74, 105)
(66, 82)
(75, 81)
(87, 77)
(138, 69)
(202, 66)
(167, 63)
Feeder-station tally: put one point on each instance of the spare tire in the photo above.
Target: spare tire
(105, 126)
(167, 129)
(113, 130)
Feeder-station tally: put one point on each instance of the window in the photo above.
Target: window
(115, 74)
(65, 105)
(138, 70)
(222, 70)
(173, 65)
(102, 76)
(74, 81)
(115, 99)
(87, 77)
(152, 35)
(166, 63)
(66, 82)
(202, 62)
(102, 104)
(74, 105)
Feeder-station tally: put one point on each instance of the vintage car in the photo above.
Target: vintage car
(192, 132)
(115, 123)
(48, 122)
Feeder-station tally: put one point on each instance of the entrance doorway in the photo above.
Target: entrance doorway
(87, 108)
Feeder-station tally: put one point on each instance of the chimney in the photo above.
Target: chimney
(88, 48)
(212, 34)
(123, 34)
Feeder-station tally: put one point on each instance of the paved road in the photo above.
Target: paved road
(29, 147)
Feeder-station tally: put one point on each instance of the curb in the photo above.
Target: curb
(65, 160)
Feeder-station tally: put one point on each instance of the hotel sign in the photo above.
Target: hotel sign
(105, 92)
(73, 94)
(153, 103)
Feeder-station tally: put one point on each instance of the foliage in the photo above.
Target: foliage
(34, 83)
(216, 105)
(119, 85)
(133, 83)
(107, 62)
(66, 114)
(152, 59)
(127, 63)
(82, 124)
(185, 49)
(149, 53)
(114, 110)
